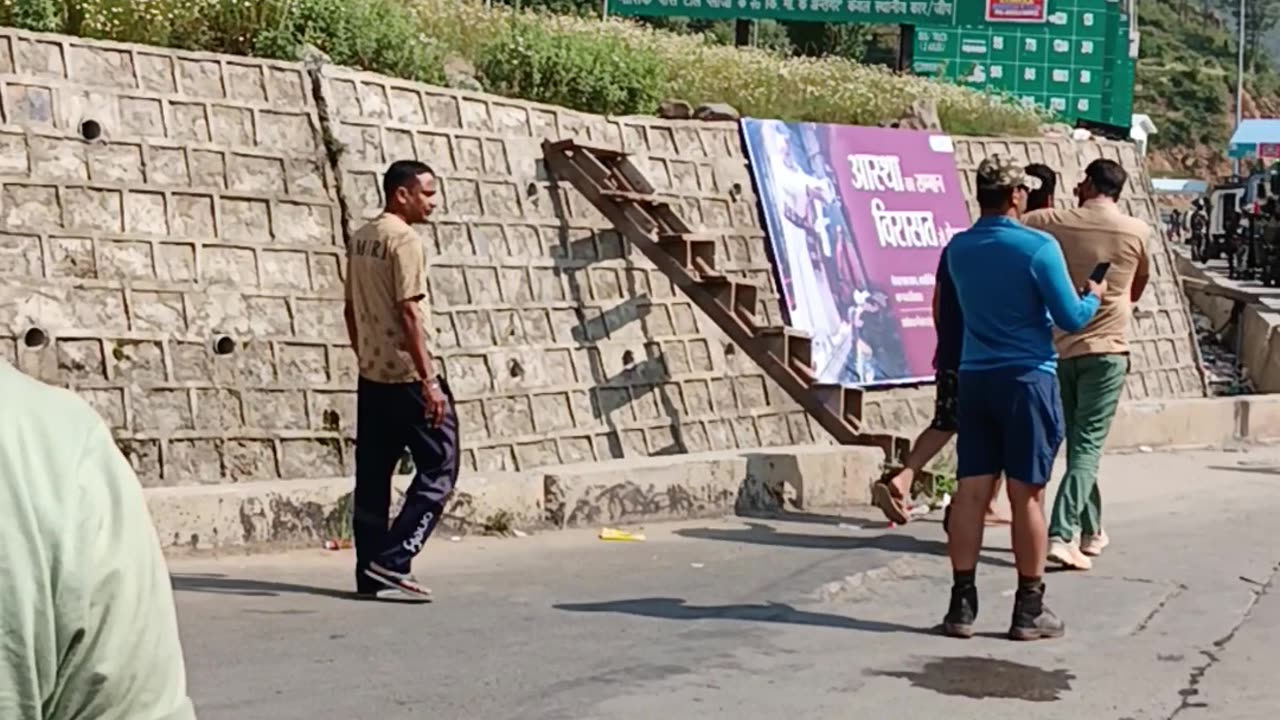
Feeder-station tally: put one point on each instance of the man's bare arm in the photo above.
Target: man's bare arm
(349, 314)
(349, 308)
(415, 340)
(1140, 277)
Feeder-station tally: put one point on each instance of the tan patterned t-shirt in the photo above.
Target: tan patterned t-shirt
(386, 265)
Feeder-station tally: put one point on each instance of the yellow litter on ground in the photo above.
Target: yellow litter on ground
(614, 535)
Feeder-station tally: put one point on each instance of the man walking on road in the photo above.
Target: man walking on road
(1009, 280)
(892, 495)
(1093, 362)
(401, 400)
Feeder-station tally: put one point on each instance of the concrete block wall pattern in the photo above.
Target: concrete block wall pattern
(171, 235)
(169, 223)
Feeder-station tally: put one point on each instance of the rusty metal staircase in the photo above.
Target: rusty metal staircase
(608, 179)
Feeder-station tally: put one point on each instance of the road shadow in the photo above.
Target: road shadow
(1261, 469)
(782, 515)
(896, 542)
(678, 609)
(218, 584)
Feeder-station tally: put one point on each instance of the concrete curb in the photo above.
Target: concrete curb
(1260, 343)
(1196, 423)
(306, 512)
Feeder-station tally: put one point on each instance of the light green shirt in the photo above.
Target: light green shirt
(87, 624)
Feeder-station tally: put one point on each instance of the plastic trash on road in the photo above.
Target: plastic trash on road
(918, 511)
(615, 535)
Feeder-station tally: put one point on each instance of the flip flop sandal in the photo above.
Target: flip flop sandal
(892, 507)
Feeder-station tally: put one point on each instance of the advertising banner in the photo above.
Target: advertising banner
(857, 218)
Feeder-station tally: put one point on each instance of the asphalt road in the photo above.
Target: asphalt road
(814, 617)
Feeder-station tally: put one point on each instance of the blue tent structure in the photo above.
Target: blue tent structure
(1252, 133)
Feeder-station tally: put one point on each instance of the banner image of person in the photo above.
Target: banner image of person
(857, 218)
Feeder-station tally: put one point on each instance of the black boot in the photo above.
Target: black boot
(963, 611)
(1032, 620)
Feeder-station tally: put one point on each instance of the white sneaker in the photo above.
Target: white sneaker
(1092, 545)
(1067, 555)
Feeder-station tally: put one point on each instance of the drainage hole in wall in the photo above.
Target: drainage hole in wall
(516, 369)
(224, 345)
(90, 130)
(735, 191)
(531, 190)
(332, 420)
(730, 350)
(35, 338)
(628, 358)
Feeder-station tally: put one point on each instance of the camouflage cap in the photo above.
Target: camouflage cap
(1001, 171)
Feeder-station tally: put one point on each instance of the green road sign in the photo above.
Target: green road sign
(1076, 63)
(1071, 56)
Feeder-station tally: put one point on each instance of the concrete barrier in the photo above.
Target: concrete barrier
(1208, 422)
(1259, 341)
(290, 513)
(811, 477)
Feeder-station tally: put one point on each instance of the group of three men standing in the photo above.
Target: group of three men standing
(1012, 387)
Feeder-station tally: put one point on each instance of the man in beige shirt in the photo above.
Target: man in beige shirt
(401, 401)
(1093, 362)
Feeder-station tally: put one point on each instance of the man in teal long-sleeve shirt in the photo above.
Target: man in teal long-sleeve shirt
(1012, 286)
(87, 623)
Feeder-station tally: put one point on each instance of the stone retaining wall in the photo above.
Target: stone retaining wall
(182, 268)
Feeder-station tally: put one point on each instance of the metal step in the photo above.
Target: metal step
(740, 299)
(600, 151)
(619, 190)
(791, 346)
(695, 251)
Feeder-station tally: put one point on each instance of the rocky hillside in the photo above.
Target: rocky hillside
(1187, 77)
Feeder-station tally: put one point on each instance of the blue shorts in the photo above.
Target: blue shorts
(1010, 422)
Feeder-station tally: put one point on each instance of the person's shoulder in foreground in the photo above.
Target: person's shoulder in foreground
(86, 606)
(1006, 231)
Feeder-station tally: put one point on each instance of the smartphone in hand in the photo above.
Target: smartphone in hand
(1099, 272)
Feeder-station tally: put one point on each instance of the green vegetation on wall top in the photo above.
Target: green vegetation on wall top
(613, 66)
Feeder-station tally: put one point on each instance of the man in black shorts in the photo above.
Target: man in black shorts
(892, 496)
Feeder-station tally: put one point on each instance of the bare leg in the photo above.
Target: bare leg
(994, 517)
(1030, 534)
(1032, 620)
(964, 540)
